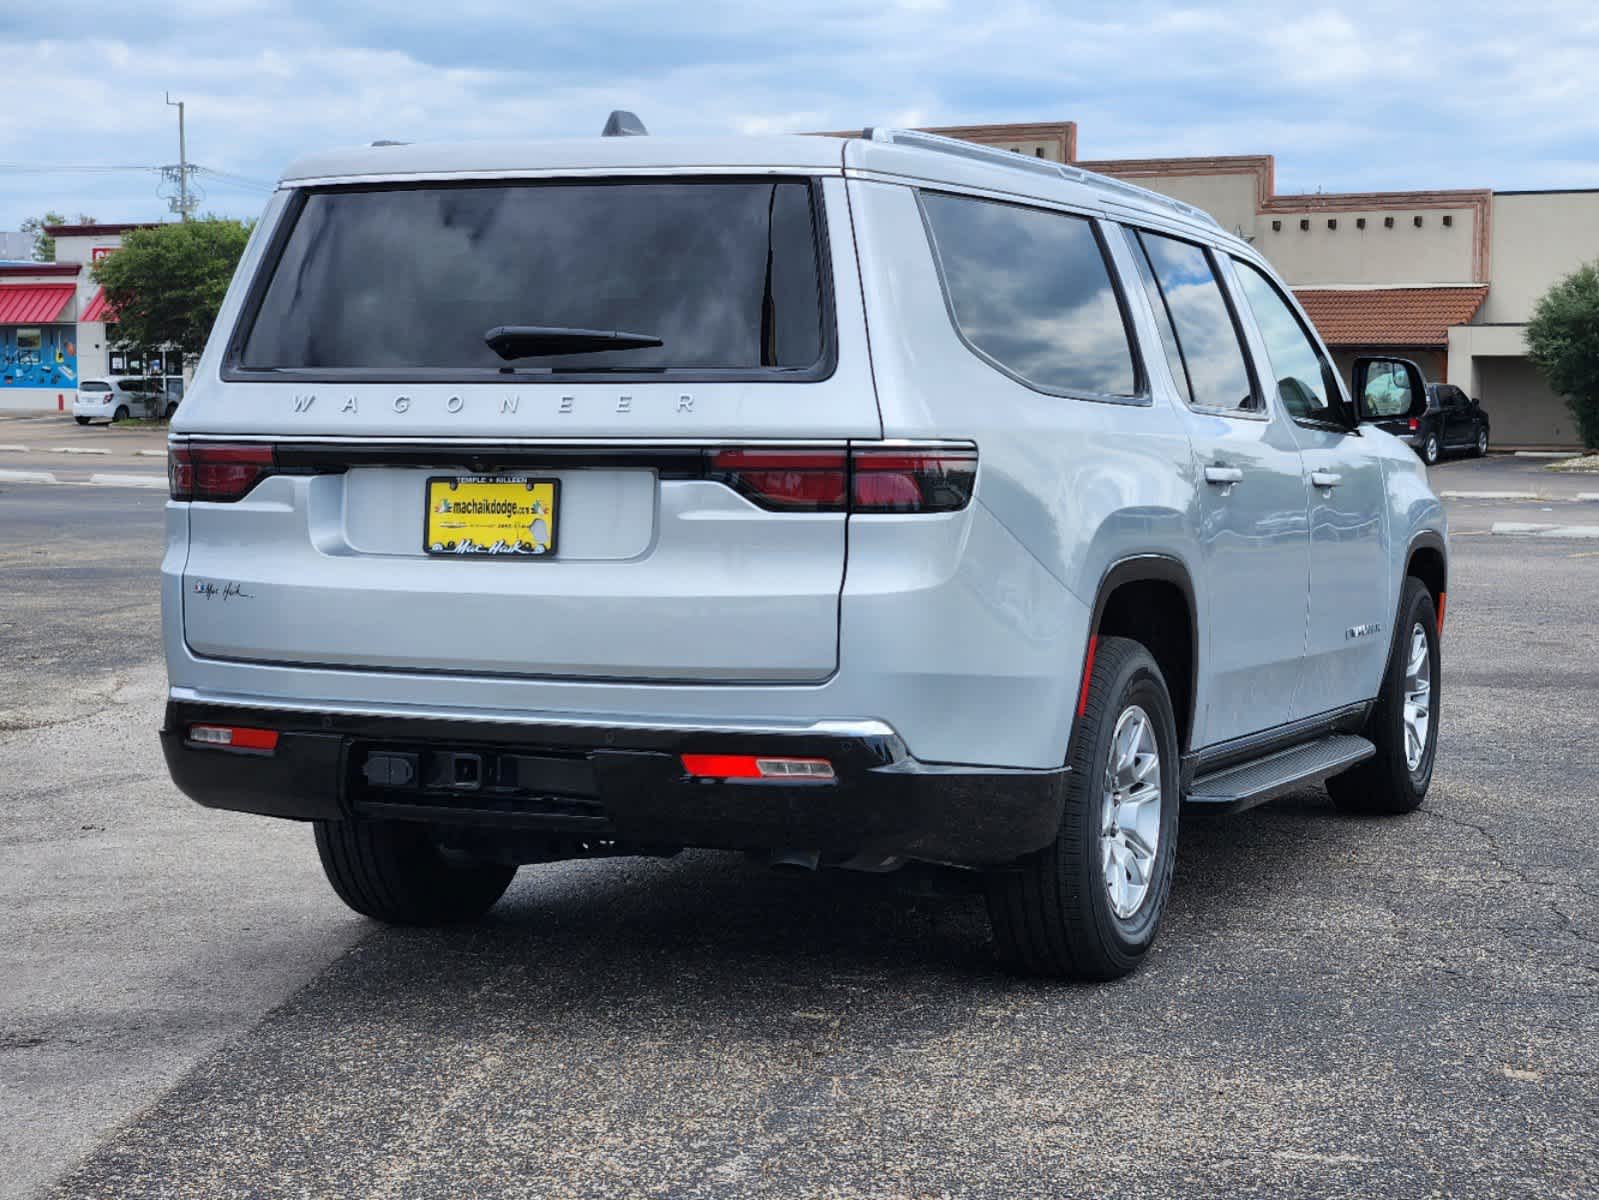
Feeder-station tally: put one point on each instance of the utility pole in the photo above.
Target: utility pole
(182, 203)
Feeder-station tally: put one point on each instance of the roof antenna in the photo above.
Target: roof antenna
(622, 123)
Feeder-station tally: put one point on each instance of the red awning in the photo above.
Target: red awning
(1419, 316)
(98, 309)
(33, 303)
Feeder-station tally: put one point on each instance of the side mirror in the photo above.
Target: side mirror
(1386, 388)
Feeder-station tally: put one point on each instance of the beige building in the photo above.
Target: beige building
(1448, 278)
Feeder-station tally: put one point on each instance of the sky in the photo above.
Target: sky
(1352, 96)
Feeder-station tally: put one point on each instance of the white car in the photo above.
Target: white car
(121, 397)
(844, 501)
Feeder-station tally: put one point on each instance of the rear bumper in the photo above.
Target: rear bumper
(622, 784)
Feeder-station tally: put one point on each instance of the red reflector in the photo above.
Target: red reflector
(216, 472)
(752, 766)
(793, 480)
(235, 737)
(1443, 602)
(1088, 673)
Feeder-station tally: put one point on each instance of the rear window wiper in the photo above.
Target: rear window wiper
(529, 341)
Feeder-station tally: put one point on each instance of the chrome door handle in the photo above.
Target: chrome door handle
(1223, 475)
(1326, 479)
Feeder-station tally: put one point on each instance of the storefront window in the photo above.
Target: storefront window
(38, 356)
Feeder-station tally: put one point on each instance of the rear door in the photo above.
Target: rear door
(555, 500)
(1351, 588)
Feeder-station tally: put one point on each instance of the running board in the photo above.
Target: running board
(1245, 785)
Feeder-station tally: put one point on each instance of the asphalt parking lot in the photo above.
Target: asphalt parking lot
(1337, 1006)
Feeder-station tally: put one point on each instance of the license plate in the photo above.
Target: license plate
(490, 516)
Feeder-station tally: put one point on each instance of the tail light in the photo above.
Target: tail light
(216, 472)
(912, 481)
(899, 479)
(785, 480)
(1415, 424)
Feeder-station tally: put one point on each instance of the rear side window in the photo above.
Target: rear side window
(94, 385)
(1030, 290)
(725, 274)
(1212, 354)
(1304, 378)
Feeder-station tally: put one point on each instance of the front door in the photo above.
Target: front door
(1352, 596)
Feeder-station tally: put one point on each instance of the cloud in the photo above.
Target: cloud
(1351, 95)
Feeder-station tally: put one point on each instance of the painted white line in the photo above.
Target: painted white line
(13, 447)
(1588, 495)
(146, 481)
(1492, 496)
(26, 477)
(77, 450)
(1525, 529)
(1543, 454)
(152, 453)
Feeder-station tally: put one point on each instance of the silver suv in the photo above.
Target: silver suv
(848, 502)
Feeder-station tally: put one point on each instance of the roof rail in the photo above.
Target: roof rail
(1038, 166)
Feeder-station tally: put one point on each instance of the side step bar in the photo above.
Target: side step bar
(1232, 789)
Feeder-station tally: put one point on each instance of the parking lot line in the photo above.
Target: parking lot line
(78, 450)
(7, 476)
(109, 480)
(1528, 529)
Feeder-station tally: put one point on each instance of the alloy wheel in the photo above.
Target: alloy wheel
(1418, 697)
(1129, 837)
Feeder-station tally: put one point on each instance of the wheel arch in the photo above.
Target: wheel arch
(1427, 558)
(1133, 595)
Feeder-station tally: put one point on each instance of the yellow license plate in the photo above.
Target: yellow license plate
(490, 516)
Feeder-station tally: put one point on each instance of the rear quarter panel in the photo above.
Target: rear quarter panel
(1067, 487)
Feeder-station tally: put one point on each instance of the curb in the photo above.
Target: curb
(13, 448)
(1521, 529)
(142, 481)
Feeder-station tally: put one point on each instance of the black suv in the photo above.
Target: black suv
(1453, 422)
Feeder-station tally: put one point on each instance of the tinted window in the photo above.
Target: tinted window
(94, 386)
(724, 273)
(1304, 381)
(1218, 376)
(1168, 334)
(1031, 290)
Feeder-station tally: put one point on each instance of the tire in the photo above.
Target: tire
(120, 415)
(81, 420)
(1053, 912)
(1430, 451)
(1389, 782)
(169, 411)
(1482, 442)
(393, 872)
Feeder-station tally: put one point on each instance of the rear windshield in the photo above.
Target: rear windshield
(94, 385)
(724, 273)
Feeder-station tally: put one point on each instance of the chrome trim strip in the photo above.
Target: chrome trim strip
(851, 728)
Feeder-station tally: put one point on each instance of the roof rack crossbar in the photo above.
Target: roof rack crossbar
(1037, 166)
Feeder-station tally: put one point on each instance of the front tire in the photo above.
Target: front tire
(1482, 443)
(1404, 721)
(81, 420)
(1088, 905)
(393, 872)
(1430, 450)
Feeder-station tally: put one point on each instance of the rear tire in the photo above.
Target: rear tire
(1430, 451)
(120, 415)
(170, 411)
(1396, 778)
(393, 872)
(1078, 909)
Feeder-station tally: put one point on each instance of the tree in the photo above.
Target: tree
(44, 246)
(1563, 343)
(166, 283)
